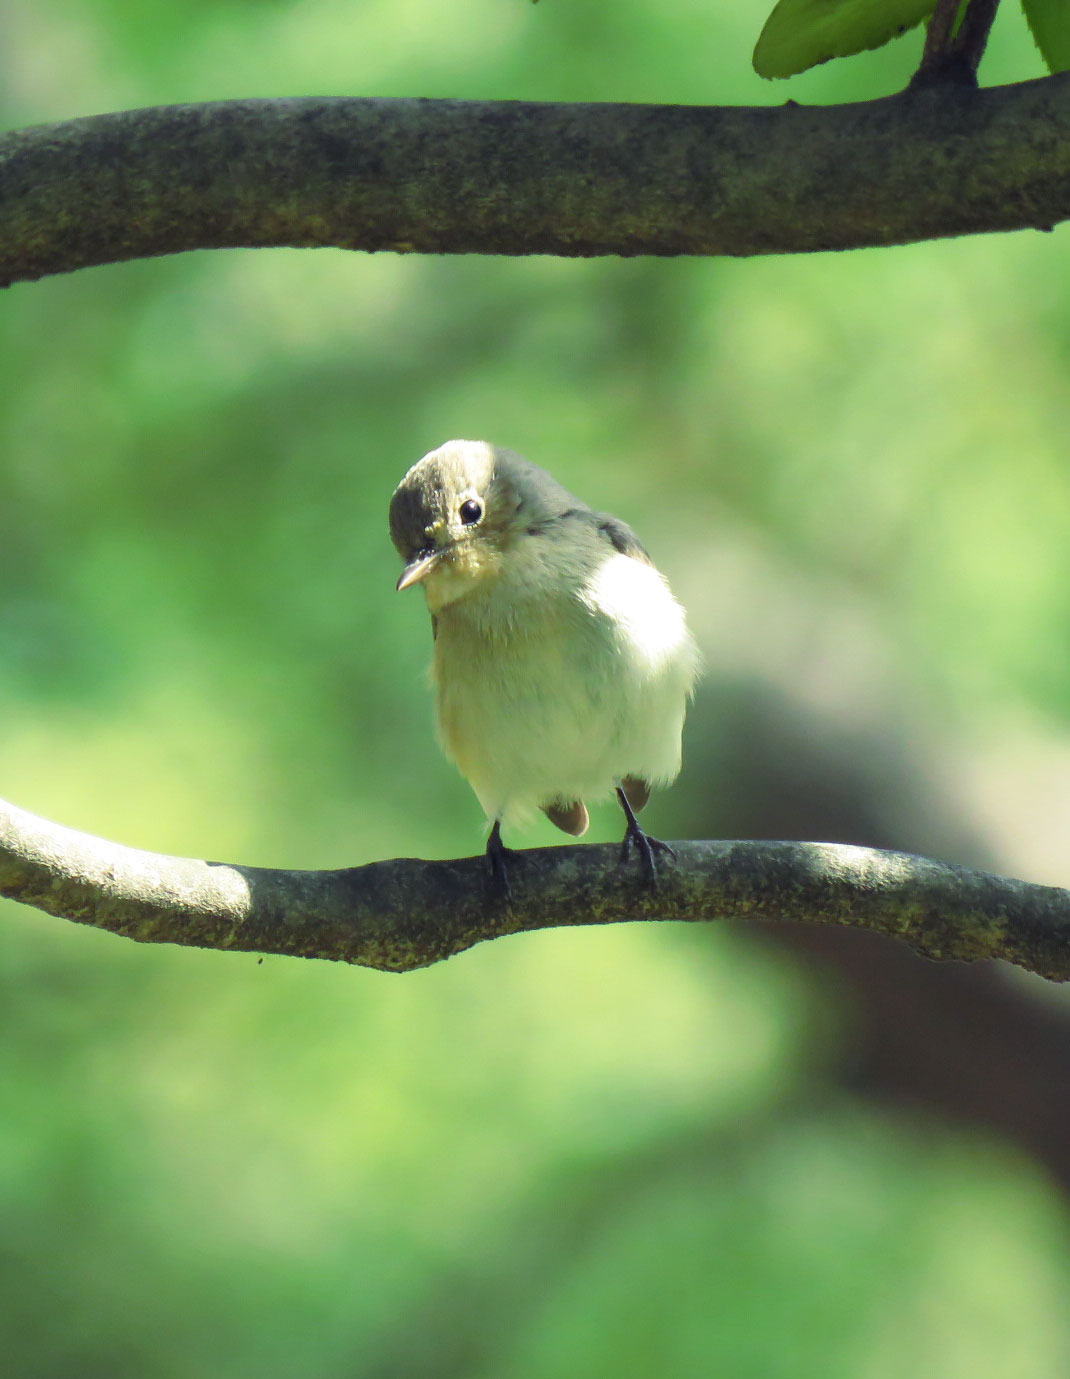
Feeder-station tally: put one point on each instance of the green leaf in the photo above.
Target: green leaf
(802, 33)
(1049, 21)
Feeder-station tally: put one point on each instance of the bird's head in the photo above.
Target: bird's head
(460, 509)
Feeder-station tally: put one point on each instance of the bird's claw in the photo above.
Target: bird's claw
(645, 846)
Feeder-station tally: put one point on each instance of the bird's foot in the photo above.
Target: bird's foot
(497, 864)
(644, 845)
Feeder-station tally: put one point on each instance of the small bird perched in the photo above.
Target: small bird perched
(562, 663)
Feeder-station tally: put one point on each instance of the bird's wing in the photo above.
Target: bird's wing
(620, 536)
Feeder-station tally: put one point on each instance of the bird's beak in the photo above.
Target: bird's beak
(418, 568)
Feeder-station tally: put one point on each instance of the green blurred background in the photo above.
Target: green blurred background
(636, 1152)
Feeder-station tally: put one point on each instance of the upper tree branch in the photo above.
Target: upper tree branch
(441, 176)
(406, 913)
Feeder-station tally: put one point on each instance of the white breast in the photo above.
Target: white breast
(651, 630)
(545, 695)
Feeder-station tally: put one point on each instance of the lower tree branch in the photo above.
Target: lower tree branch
(516, 177)
(403, 914)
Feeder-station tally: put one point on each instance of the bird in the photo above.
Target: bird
(562, 664)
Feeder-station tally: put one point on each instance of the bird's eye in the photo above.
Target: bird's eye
(470, 511)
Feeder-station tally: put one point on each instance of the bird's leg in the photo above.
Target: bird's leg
(644, 844)
(497, 852)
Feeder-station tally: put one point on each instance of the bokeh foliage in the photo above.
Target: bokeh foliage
(603, 1153)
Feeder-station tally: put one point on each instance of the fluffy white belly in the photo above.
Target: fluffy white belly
(561, 699)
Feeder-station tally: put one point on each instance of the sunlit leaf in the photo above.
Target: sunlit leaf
(803, 33)
(1049, 21)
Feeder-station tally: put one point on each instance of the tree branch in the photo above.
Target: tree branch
(972, 38)
(937, 64)
(950, 56)
(403, 914)
(442, 176)
(938, 34)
